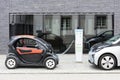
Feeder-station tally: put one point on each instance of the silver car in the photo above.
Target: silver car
(106, 55)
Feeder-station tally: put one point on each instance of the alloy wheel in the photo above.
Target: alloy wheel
(107, 62)
(50, 63)
(11, 63)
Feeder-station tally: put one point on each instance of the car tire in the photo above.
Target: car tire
(50, 63)
(11, 63)
(107, 62)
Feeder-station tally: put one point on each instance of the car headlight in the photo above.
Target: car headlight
(98, 49)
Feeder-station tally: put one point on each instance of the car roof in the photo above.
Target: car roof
(23, 36)
(104, 32)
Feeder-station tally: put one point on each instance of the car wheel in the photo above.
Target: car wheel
(50, 63)
(11, 63)
(107, 62)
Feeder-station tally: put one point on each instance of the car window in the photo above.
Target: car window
(30, 42)
(104, 33)
(99, 34)
(108, 33)
(113, 39)
(26, 42)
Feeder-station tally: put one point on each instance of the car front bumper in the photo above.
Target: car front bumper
(56, 58)
(91, 57)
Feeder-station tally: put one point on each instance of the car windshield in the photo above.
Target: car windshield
(100, 33)
(42, 40)
(104, 32)
(113, 39)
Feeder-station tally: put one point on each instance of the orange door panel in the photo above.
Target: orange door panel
(26, 50)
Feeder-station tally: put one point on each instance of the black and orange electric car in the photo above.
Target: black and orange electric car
(27, 50)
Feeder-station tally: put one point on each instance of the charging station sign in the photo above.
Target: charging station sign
(78, 44)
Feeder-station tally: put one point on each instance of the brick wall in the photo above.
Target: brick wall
(4, 23)
(117, 17)
(62, 5)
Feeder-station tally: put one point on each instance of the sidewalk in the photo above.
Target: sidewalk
(67, 65)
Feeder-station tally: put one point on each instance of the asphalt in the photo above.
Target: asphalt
(67, 65)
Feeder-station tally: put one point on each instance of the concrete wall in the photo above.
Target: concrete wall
(38, 23)
(56, 25)
(89, 24)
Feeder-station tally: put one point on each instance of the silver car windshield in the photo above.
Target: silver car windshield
(113, 39)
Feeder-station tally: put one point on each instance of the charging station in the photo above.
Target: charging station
(78, 44)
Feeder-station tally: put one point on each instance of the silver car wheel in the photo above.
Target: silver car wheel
(107, 62)
(50, 63)
(11, 63)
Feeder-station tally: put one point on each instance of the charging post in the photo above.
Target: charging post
(78, 44)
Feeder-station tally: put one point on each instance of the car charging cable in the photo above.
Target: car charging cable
(68, 47)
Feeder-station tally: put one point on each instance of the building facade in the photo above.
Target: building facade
(59, 17)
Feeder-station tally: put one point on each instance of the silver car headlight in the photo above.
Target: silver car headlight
(98, 49)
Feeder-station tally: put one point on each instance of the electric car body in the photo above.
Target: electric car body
(106, 55)
(100, 37)
(27, 50)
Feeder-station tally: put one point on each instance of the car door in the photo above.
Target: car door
(29, 52)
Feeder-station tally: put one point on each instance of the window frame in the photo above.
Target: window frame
(68, 20)
(101, 21)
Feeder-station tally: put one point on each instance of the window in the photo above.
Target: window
(66, 23)
(26, 42)
(101, 21)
